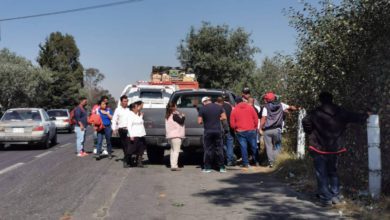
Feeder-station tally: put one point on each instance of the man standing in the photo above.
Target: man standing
(244, 122)
(210, 115)
(228, 134)
(81, 119)
(325, 126)
(272, 123)
(119, 126)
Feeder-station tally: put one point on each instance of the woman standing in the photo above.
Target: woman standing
(136, 131)
(106, 115)
(175, 132)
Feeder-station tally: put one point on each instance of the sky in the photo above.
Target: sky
(125, 41)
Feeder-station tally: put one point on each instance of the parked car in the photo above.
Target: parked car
(62, 119)
(188, 102)
(27, 126)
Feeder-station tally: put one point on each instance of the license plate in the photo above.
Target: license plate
(18, 130)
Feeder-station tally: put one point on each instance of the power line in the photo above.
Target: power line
(70, 10)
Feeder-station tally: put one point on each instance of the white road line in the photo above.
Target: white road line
(12, 167)
(65, 145)
(43, 154)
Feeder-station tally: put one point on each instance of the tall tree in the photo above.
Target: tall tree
(345, 49)
(219, 55)
(60, 54)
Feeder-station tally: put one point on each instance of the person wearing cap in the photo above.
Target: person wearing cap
(271, 123)
(244, 121)
(136, 132)
(211, 115)
(246, 94)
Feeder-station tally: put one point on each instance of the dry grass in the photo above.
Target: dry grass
(299, 174)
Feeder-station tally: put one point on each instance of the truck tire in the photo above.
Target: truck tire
(155, 154)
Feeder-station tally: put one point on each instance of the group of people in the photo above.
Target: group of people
(247, 123)
(126, 121)
(222, 122)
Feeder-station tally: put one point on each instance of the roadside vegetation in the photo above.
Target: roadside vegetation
(342, 48)
(57, 82)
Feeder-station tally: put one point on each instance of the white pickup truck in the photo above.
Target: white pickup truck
(155, 97)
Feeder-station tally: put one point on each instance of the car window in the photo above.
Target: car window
(193, 100)
(151, 95)
(20, 115)
(46, 116)
(57, 113)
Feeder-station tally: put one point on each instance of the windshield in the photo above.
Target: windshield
(194, 100)
(20, 115)
(151, 95)
(57, 113)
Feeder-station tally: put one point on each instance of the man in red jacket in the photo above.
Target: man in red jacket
(244, 121)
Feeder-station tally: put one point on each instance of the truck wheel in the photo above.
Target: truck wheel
(155, 154)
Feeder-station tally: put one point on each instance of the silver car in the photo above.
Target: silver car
(27, 126)
(62, 119)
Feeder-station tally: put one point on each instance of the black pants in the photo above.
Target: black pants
(124, 139)
(137, 146)
(213, 146)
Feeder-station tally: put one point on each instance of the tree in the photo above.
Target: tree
(92, 79)
(345, 49)
(272, 75)
(220, 56)
(60, 54)
(21, 83)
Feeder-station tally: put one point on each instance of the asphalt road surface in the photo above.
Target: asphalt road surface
(55, 184)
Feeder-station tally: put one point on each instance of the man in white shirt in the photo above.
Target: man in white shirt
(119, 126)
(271, 123)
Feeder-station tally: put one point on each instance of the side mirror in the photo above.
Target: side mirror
(52, 118)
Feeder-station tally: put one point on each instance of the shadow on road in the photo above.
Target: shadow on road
(267, 198)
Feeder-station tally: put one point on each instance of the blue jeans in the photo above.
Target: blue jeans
(228, 145)
(326, 173)
(106, 132)
(244, 138)
(80, 138)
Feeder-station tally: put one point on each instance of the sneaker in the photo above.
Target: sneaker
(84, 153)
(98, 157)
(206, 171)
(231, 164)
(81, 154)
(94, 151)
(222, 170)
(105, 152)
(336, 200)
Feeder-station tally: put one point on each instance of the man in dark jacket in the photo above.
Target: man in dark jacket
(325, 126)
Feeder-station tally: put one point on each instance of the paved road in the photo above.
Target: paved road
(55, 184)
